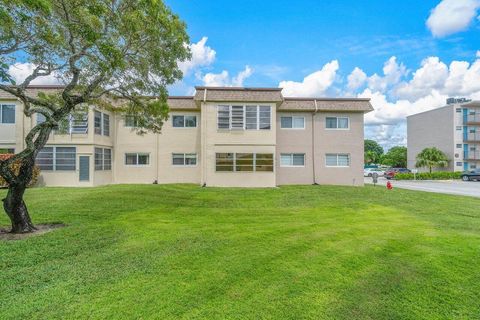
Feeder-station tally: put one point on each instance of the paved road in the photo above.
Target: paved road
(471, 188)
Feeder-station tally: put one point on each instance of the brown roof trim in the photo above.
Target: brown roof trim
(180, 97)
(238, 88)
(325, 99)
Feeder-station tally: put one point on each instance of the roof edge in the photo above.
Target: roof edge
(324, 99)
(238, 88)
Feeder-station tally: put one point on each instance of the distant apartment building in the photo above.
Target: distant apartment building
(241, 137)
(454, 129)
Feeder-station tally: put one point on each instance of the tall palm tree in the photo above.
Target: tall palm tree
(431, 158)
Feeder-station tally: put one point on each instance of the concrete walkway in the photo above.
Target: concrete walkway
(456, 187)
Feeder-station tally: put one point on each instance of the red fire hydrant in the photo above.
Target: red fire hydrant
(389, 185)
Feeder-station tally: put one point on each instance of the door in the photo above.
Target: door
(84, 168)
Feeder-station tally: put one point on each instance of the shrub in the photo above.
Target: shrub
(441, 175)
(16, 168)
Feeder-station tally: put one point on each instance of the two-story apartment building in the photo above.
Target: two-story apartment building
(454, 129)
(221, 136)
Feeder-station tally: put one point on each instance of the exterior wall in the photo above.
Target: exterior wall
(205, 140)
(435, 128)
(248, 141)
(9, 132)
(160, 148)
(295, 141)
(339, 141)
(69, 178)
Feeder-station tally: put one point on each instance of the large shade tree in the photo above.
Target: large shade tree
(372, 151)
(431, 158)
(102, 51)
(396, 157)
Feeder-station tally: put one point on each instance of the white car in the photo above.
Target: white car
(368, 172)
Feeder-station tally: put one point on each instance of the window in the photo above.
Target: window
(223, 117)
(103, 159)
(337, 160)
(337, 123)
(101, 123)
(292, 160)
(57, 158)
(98, 159)
(41, 118)
(459, 145)
(264, 162)
(184, 159)
(459, 128)
(184, 121)
(459, 164)
(98, 122)
(137, 159)
(292, 122)
(107, 159)
(459, 110)
(224, 161)
(242, 162)
(236, 121)
(106, 125)
(130, 121)
(7, 113)
(247, 117)
(7, 150)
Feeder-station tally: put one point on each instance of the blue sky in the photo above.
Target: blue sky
(295, 38)
(410, 56)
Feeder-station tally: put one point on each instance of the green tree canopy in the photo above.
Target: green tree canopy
(101, 50)
(372, 151)
(396, 157)
(431, 158)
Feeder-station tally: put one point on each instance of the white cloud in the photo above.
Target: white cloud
(202, 56)
(19, 71)
(315, 84)
(356, 79)
(430, 76)
(452, 16)
(392, 73)
(223, 79)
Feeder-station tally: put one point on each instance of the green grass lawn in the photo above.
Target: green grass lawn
(181, 251)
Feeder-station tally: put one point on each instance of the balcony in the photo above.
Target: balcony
(472, 155)
(473, 118)
(471, 137)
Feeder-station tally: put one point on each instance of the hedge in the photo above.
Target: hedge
(440, 175)
(16, 167)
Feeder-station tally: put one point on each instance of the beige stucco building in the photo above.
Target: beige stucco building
(237, 137)
(454, 129)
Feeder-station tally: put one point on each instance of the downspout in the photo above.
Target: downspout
(203, 141)
(157, 150)
(313, 143)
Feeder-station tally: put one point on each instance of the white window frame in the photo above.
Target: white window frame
(291, 160)
(14, 114)
(102, 124)
(54, 158)
(137, 154)
(338, 154)
(254, 169)
(293, 118)
(102, 159)
(337, 128)
(184, 123)
(244, 110)
(184, 159)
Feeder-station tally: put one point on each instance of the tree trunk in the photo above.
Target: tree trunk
(17, 210)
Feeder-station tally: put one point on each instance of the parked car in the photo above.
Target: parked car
(471, 175)
(390, 173)
(368, 172)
